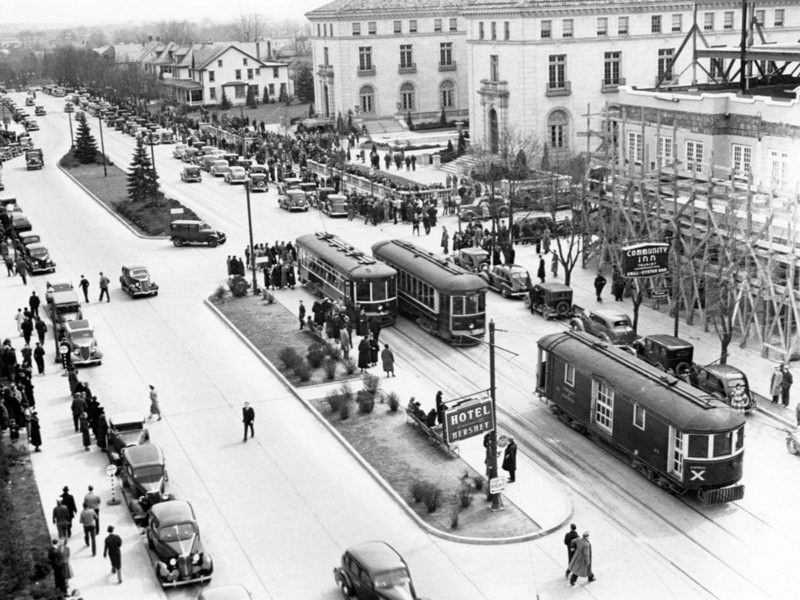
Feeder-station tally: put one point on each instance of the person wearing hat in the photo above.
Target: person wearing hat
(569, 541)
(510, 460)
(154, 408)
(581, 563)
(61, 519)
(69, 501)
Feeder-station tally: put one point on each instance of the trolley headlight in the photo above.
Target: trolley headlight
(472, 325)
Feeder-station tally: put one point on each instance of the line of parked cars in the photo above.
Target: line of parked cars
(27, 245)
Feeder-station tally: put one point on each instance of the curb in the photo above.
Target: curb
(375, 475)
(111, 211)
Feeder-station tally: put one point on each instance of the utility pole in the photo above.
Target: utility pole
(102, 145)
(497, 503)
(250, 229)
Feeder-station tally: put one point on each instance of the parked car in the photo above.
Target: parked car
(293, 200)
(484, 208)
(551, 300)
(135, 280)
(512, 281)
(667, 352)
(725, 382)
(259, 182)
(144, 475)
(610, 325)
(37, 259)
(318, 198)
(236, 175)
(173, 537)
(178, 150)
(28, 237)
(80, 336)
(187, 231)
(474, 260)
(218, 168)
(20, 223)
(225, 592)
(191, 174)
(374, 571)
(333, 205)
(125, 430)
(39, 111)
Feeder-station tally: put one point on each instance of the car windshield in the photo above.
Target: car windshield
(622, 322)
(175, 533)
(397, 578)
(520, 278)
(130, 426)
(205, 227)
(148, 474)
(38, 252)
(139, 273)
(82, 335)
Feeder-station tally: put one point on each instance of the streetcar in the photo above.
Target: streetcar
(445, 300)
(675, 435)
(332, 268)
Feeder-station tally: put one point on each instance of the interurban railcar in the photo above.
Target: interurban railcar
(677, 436)
(331, 267)
(445, 300)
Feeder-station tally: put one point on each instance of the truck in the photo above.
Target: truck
(34, 159)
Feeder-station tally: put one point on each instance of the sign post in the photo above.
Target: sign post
(111, 471)
(63, 349)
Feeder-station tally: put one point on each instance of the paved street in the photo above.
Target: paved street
(277, 512)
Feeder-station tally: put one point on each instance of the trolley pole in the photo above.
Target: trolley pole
(250, 230)
(492, 449)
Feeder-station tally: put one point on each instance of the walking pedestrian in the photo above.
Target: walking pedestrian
(56, 560)
(540, 271)
(112, 547)
(387, 359)
(92, 500)
(248, 417)
(69, 501)
(34, 301)
(84, 285)
(569, 541)
(36, 432)
(9, 262)
(344, 341)
(775, 383)
(104, 288)
(154, 407)
(363, 354)
(65, 554)
(510, 460)
(22, 270)
(554, 264)
(439, 408)
(581, 563)
(599, 284)
(27, 330)
(374, 350)
(38, 358)
(78, 407)
(301, 313)
(41, 329)
(786, 383)
(61, 518)
(19, 318)
(83, 424)
(89, 521)
(445, 240)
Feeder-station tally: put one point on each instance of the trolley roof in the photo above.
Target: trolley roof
(442, 275)
(686, 407)
(344, 257)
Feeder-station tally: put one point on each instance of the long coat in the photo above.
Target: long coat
(775, 384)
(387, 358)
(363, 354)
(36, 432)
(510, 457)
(581, 563)
(373, 351)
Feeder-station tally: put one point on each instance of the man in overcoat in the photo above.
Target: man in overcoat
(510, 460)
(581, 563)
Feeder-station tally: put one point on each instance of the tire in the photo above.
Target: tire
(682, 368)
(212, 243)
(792, 447)
(345, 588)
(177, 242)
(562, 308)
(504, 292)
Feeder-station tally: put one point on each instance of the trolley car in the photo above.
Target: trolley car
(676, 436)
(331, 267)
(446, 300)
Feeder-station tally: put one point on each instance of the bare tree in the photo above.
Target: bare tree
(179, 32)
(250, 27)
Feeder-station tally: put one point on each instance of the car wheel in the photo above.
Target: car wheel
(177, 242)
(212, 243)
(605, 338)
(345, 587)
(576, 326)
(681, 368)
(562, 308)
(504, 292)
(792, 447)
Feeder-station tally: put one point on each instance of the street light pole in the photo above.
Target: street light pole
(71, 137)
(492, 449)
(153, 166)
(250, 230)
(102, 145)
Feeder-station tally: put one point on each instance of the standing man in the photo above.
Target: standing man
(569, 542)
(84, 285)
(113, 549)
(92, 500)
(302, 314)
(775, 383)
(104, 287)
(248, 417)
(34, 301)
(69, 501)
(22, 270)
(89, 521)
(445, 240)
(38, 358)
(78, 407)
(599, 284)
(581, 563)
(786, 383)
(41, 329)
(510, 460)
(56, 560)
(27, 331)
(61, 519)
(541, 270)
(154, 407)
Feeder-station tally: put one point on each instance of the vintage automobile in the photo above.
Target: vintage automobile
(512, 281)
(39, 111)
(529, 228)
(178, 150)
(667, 352)
(319, 196)
(473, 260)
(724, 382)
(191, 155)
(236, 175)
(610, 325)
(191, 174)
(20, 223)
(28, 237)
(125, 430)
(144, 476)
(551, 300)
(293, 200)
(793, 441)
(37, 259)
(187, 231)
(207, 161)
(225, 592)
(256, 168)
(374, 571)
(135, 280)
(484, 208)
(218, 168)
(80, 336)
(334, 205)
(173, 537)
(29, 101)
(259, 182)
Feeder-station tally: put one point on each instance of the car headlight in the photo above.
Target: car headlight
(173, 562)
(196, 558)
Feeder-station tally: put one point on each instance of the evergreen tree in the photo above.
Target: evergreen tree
(142, 180)
(85, 144)
(224, 104)
(265, 98)
(443, 117)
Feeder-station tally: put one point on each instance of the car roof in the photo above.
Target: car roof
(64, 296)
(377, 556)
(78, 324)
(554, 287)
(669, 341)
(725, 371)
(187, 222)
(36, 246)
(144, 454)
(237, 168)
(610, 314)
(25, 234)
(225, 592)
(131, 266)
(513, 268)
(173, 511)
(474, 251)
(129, 417)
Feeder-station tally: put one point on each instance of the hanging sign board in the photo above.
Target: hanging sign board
(645, 259)
(468, 419)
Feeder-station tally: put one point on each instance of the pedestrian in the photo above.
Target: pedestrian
(65, 554)
(510, 460)
(786, 383)
(27, 355)
(599, 284)
(89, 521)
(541, 269)
(344, 340)
(581, 563)
(61, 518)
(56, 560)
(83, 424)
(22, 270)
(41, 329)
(154, 408)
(569, 541)
(92, 500)
(363, 354)
(248, 417)
(387, 358)
(78, 407)
(69, 501)
(775, 383)
(9, 265)
(374, 351)
(445, 240)
(36, 432)
(19, 318)
(84, 285)
(554, 265)
(38, 358)
(27, 330)
(302, 314)
(375, 329)
(112, 548)
(104, 287)
(34, 301)
(439, 408)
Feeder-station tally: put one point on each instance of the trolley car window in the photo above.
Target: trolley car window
(362, 291)
(569, 375)
(458, 305)
(470, 305)
(638, 415)
(698, 446)
(723, 444)
(379, 290)
(603, 405)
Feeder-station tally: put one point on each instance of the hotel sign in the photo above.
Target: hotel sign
(468, 419)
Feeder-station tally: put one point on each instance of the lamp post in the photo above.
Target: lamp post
(102, 145)
(153, 166)
(71, 137)
(497, 503)
(250, 231)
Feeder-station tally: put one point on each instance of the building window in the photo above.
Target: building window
(238, 74)
(398, 27)
(325, 57)
(244, 62)
(742, 157)
(569, 375)
(318, 30)
(567, 27)
(779, 164)
(365, 58)
(622, 26)
(665, 153)
(407, 96)
(453, 24)
(219, 62)
(367, 99)
(494, 67)
(634, 148)
(611, 68)
(211, 76)
(356, 29)
(212, 93)
(275, 72)
(665, 63)
(372, 28)
(481, 32)
(258, 72)
(557, 129)
(603, 396)
(412, 26)
(655, 24)
(506, 30)
(694, 156)
(602, 25)
(324, 29)
(437, 24)
(716, 69)
(271, 89)
(494, 30)
(249, 73)
(406, 56)
(760, 16)
(447, 90)
(557, 64)
(546, 31)
(638, 416)
(708, 21)
(239, 92)
(727, 21)
(677, 22)
(446, 54)
(779, 17)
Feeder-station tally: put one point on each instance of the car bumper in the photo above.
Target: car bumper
(139, 293)
(192, 179)
(38, 270)
(94, 359)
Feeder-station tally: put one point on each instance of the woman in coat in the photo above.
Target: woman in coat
(775, 384)
(387, 358)
(581, 563)
(84, 429)
(374, 350)
(35, 432)
(541, 270)
(363, 355)
(344, 340)
(510, 460)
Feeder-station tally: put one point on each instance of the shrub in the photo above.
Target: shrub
(345, 391)
(344, 408)
(316, 354)
(302, 370)
(432, 497)
(350, 366)
(330, 368)
(289, 357)
(238, 286)
(334, 400)
(454, 514)
(394, 401)
(366, 402)
(372, 383)
(333, 352)
(465, 492)
(478, 483)
(219, 294)
(417, 490)
(267, 297)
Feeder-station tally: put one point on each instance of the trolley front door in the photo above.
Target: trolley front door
(676, 452)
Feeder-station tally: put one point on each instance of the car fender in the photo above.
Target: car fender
(576, 324)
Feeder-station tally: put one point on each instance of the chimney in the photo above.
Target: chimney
(258, 50)
(269, 50)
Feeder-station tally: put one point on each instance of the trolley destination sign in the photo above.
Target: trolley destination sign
(468, 417)
(645, 259)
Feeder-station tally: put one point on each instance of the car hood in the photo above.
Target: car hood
(83, 343)
(148, 487)
(130, 438)
(397, 593)
(184, 547)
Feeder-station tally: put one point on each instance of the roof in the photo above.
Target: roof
(610, 314)
(79, 324)
(377, 556)
(186, 84)
(204, 55)
(65, 296)
(372, 6)
(131, 266)
(670, 341)
(144, 454)
(234, 83)
(724, 370)
(342, 256)
(553, 287)
(129, 417)
(689, 409)
(173, 511)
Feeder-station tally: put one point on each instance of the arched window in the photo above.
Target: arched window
(407, 96)
(447, 91)
(557, 132)
(367, 99)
